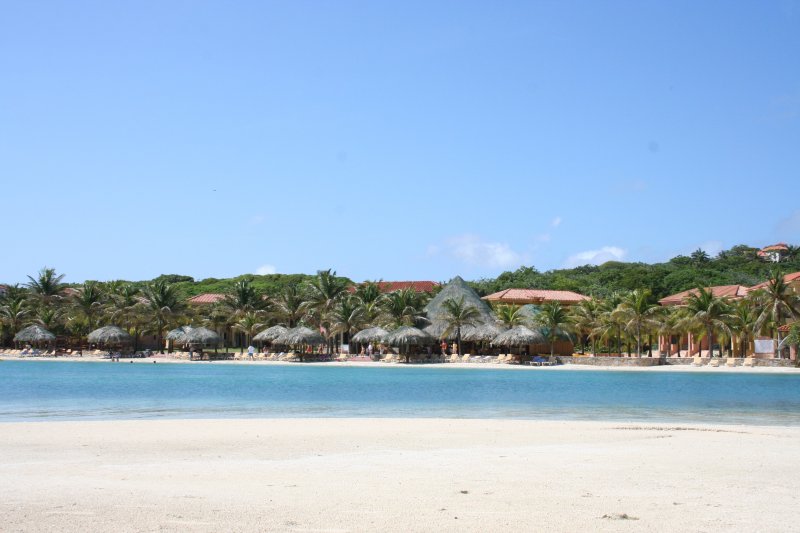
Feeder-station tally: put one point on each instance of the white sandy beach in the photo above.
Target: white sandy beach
(722, 369)
(396, 475)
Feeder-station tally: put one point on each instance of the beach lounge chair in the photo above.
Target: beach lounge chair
(748, 361)
(731, 361)
(697, 361)
(713, 362)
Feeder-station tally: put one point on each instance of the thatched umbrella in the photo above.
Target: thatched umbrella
(270, 334)
(202, 336)
(300, 336)
(178, 334)
(481, 332)
(35, 334)
(437, 329)
(519, 336)
(110, 336)
(409, 336)
(366, 336)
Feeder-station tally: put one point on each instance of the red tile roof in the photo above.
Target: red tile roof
(786, 327)
(720, 291)
(535, 296)
(391, 286)
(779, 247)
(207, 298)
(788, 278)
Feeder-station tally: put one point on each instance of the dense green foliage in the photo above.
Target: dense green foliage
(738, 266)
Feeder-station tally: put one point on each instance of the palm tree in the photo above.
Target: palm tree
(456, 314)
(611, 324)
(49, 317)
(637, 312)
(776, 301)
(88, 300)
(586, 319)
(243, 297)
(163, 306)
(742, 320)
(347, 317)
(46, 287)
(509, 315)
(708, 312)
(127, 308)
(404, 307)
(671, 322)
(555, 319)
(14, 314)
(289, 306)
(249, 323)
(372, 300)
(323, 293)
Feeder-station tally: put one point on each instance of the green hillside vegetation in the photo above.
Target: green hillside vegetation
(738, 266)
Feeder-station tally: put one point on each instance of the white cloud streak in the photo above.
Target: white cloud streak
(596, 257)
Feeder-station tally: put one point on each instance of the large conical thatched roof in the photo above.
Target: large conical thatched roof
(369, 335)
(110, 335)
(270, 334)
(201, 336)
(300, 335)
(481, 332)
(519, 336)
(34, 334)
(409, 336)
(456, 289)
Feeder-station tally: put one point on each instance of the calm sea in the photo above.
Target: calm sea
(79, 391)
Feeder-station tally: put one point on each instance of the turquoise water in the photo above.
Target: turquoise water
(78, 391)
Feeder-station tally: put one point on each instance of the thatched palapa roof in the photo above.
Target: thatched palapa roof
(519, 336)
(409, 336)
(178, 334)
(456, 289)
(270, 334)
(481, 332)
(300, 335)
(110, 335)
(34, 333)
(201, 336)
(369, 335)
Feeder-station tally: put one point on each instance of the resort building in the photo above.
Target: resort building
(774, 252)
(391, 286)
(792, 280)
(688, 345)
(535, 297)
(206, 298)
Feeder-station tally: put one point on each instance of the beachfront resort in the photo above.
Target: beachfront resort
(327, 318)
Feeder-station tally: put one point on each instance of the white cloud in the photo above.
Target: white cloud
(596, 257)
(256, 219)
(556, 222)
(471, 249)
(264, 270)
(544, 237)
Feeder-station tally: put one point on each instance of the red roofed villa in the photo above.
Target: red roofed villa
(733, 292)
(535, 296)
(391, 286)
(207, 298)
(773, 252)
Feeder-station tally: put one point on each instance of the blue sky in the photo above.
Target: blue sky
(394, 140)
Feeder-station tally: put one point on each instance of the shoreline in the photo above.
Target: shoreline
(376, 364)
(368, 474)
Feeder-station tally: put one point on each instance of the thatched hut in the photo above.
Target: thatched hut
(270, 334)
(301, 336)
(366, 336)
(482, 332)
(110, 336)
(34, 335)
(408, 336)
(519, 336)
(456, 289)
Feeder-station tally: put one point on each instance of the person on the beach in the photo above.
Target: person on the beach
(369, 349)
(444, 347)
(250, 351)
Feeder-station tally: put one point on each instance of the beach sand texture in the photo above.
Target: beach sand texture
(396, 475)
